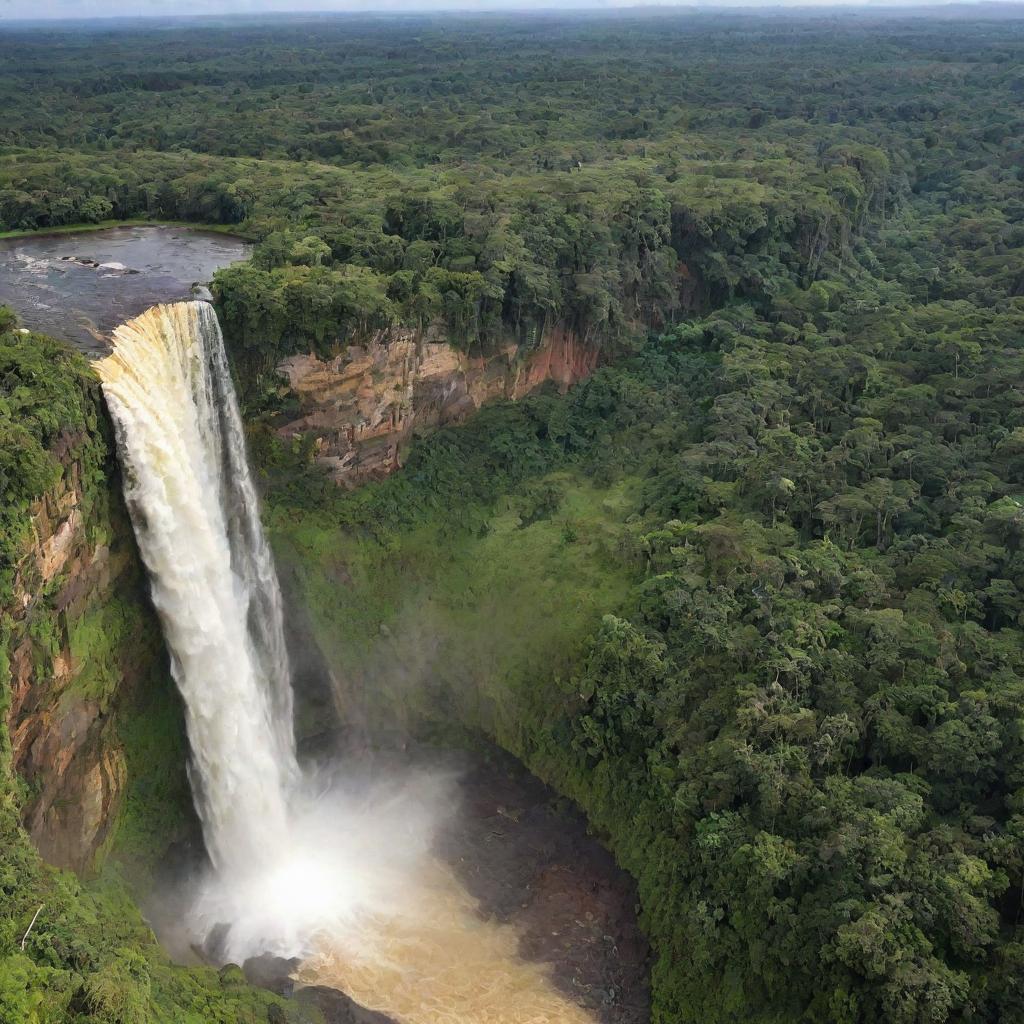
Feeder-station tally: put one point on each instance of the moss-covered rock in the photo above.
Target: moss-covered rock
(92, 758)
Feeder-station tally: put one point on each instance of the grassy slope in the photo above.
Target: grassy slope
(436, 622)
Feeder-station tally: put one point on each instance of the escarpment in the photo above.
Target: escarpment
(364, 406)
(81, 642)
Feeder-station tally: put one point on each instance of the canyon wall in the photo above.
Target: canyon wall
(86, 668)
(83, 645)
(364, 406)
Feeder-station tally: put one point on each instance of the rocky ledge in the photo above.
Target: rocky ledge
(364, 405)
(68, 673)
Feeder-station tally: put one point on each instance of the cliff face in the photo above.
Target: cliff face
(81, 642)
(364, 405)
(84, 648)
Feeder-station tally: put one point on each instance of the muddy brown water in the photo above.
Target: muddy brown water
(526, 856)
(522, 918)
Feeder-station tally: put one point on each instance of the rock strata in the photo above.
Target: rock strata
(364, 406)
(80, 560)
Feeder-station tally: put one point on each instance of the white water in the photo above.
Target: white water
(195, 514)
(340, 874)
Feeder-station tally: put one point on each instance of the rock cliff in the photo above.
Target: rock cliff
(81, 640)
(364, 405)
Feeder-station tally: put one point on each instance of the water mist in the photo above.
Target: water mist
(293, 856)
(337, 871)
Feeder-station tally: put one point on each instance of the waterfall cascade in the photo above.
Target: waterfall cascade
(342, 876)
(195, 514)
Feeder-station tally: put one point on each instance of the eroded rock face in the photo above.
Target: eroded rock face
(60, 717)
(363, 405)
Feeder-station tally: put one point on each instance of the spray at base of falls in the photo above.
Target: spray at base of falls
(338, 874)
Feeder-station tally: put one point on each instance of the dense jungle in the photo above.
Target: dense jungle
(713, 517)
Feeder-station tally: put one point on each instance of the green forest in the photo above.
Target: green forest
(753, 594)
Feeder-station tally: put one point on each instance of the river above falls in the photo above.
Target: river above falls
(80, 286)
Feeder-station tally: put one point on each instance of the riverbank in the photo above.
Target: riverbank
(232, 230)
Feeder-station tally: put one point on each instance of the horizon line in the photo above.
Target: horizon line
(483, 8)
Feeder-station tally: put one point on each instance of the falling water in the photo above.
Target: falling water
(347, 882)
(195, 514)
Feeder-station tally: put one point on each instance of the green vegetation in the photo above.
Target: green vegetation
(800, 731)
(41, 401)
(453, 184)
(89, 956)
(799, 728)
(83, 228)
(753, 594)
(448, 645)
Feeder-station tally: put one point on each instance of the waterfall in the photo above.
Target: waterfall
(334, 870)
(194, 509)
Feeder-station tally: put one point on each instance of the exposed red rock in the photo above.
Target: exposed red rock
(63, 741)
(364, 404)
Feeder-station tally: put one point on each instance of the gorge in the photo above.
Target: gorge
(346, 877)
(345, 880)
(602, 598)
(296, 869)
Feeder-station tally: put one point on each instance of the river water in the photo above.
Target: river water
(80, 286)
(428, 895)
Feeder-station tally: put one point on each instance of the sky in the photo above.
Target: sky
(54, 9)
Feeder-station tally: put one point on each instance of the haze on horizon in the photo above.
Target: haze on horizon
(34, 10)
